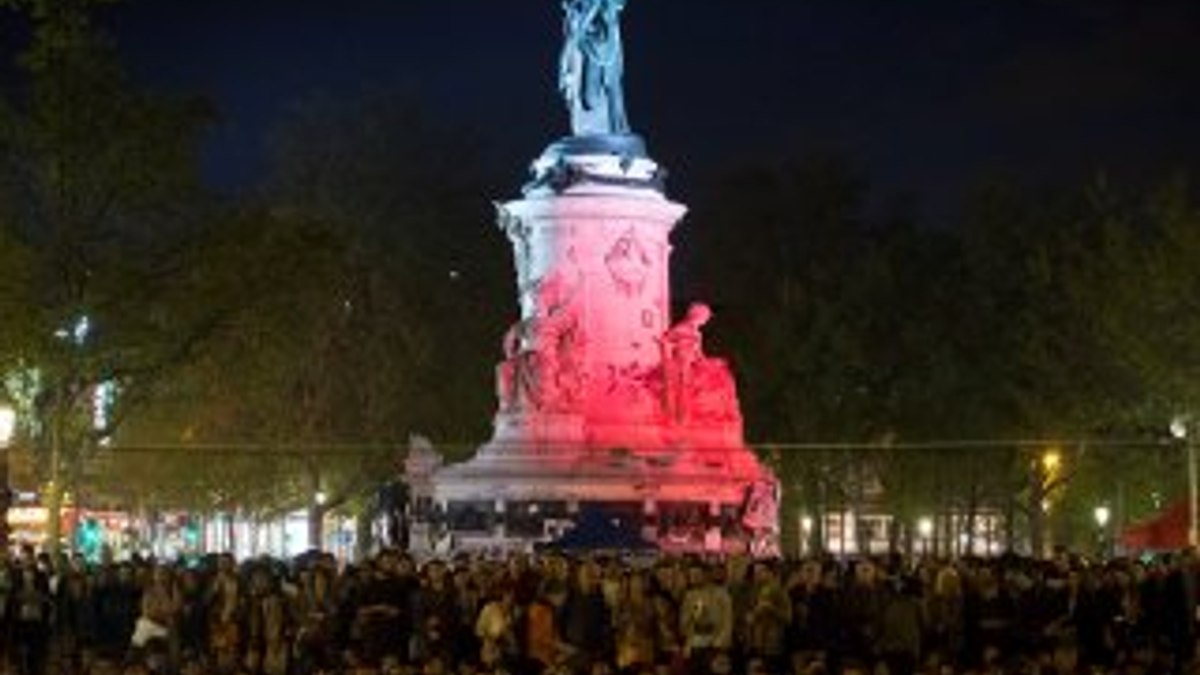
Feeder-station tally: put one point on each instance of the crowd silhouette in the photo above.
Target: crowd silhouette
(598, 614)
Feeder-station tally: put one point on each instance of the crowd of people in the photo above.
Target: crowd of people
(597, 614)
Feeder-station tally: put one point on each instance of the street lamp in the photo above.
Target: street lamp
(1051, 461)
(8, 425)
(925, 527)
(1179, 429)
(1103, 514)
(806, 528)
(925, 530)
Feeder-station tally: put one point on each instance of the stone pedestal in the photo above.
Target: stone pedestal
(601, 400)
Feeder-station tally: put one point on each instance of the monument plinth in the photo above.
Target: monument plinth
(601, 399)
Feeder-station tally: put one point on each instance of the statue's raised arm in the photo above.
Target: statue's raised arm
(592, 67)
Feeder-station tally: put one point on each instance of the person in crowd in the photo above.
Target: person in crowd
(75, 618)
(496, 628)
(767, 618)
(901, 627)
(224, 615)
(860, 611)
(384, 611)
(160, 603)
(634, 624)
(586, 617)
(990, 617)
(706, 615)
(193, 629)
(435, 614)
(32, 616)
(315, 611)
(943, 614)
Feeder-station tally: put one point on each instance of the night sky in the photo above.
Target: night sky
(924, 96)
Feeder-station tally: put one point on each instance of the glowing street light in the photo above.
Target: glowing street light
(925, 527)
(804, 540)
(1051, 462)
(925, 531)
(8, 424)
(320, 498)
(1103, 515)
(1179, 428)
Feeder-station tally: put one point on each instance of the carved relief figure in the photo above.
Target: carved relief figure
(542, 353)
(761, 505)
(634, 388)
(696, 388)
(683, 349)
(520, 234)
(629, 265)
(714, 393)
(507, 387)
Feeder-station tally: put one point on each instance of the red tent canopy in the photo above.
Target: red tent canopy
(1166, 531)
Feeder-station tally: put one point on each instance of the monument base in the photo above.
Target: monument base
(680, 499)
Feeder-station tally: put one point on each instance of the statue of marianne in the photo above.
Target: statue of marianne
(592, 66)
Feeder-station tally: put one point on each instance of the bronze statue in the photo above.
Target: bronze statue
(592, 66)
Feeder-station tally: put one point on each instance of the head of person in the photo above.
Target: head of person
(811, 573)
(390, 665)
(763, 573)
(865, 573)
(387, 563)
(720, 663)
(947, 583)
(738, 568)
(554, 592)
(434, 665)
(854, 666)
(635, 586)
(435, 571)
(105, 666)
(587, 576)
(490, 654)
(162, 575)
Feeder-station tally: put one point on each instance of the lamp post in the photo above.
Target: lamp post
(806, 528)
(1179, 429)
(8, 425)
(925, 529)
(1047, 476)
(1051, 462)
(1103, 514)
(316, 517)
